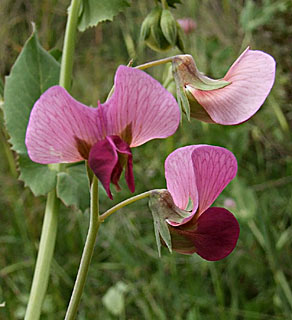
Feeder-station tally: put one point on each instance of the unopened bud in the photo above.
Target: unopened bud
(160, 30)
(168, 26)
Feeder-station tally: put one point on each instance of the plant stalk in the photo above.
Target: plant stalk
(50, 224)
(69, 45)
(45, 254)
(87, 252)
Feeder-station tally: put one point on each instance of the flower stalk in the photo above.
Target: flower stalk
(154, 63)
(87, 252)
(125, 203)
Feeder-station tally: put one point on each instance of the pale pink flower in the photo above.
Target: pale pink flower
(61, 129)
(234, 98)
(196, 175)
(187, 24)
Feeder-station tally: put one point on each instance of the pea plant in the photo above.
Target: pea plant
(66, 148)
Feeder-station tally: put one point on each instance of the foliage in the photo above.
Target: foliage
(93, 12)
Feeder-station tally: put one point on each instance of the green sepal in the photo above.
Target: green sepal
(163, 208)
(168, 26)
(73, 187)
(183, 102)
(206, 84)
(186, 74)
(93, 12)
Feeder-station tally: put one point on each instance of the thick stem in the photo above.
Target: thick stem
(45, 254)
(50, 224)
(69, 45)
(87, 252)
(125, 203)
(164, 4)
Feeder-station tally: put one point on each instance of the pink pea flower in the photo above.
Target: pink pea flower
(198, 174)
(234, 98)
(187, 24)
(61, 129)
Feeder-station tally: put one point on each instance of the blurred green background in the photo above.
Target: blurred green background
(127, 280)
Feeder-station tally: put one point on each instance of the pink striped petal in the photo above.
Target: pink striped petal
(180, 178)
(252, 76)
(140, 108)
(213, 236)
(107, 159)
(214, 168)
(216, 234)
(61, 129)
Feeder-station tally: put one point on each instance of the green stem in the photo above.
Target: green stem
(50, 224)
(154, 63)
(124, 203)
(69, 45)
(87, 252)
(45, 254)
(164, 4)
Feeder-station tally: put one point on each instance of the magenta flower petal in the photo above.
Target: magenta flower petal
(252, 76)
(140, 108)
(61, 129)
(213, 236)
(107, 159)
(180, 177)
(214, 168)
(216, 234)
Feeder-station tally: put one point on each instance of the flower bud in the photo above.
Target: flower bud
(168, 26)
(160, 30)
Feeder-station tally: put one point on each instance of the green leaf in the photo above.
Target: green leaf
(40, 178)
(93, 11)
(34, 71)
(73, 187)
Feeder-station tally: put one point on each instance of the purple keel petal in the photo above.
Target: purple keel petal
(252, 76)
(216, 234)
(140, 108)
(107, 159)
(214, 168)
(180, 178)
(61, 129)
